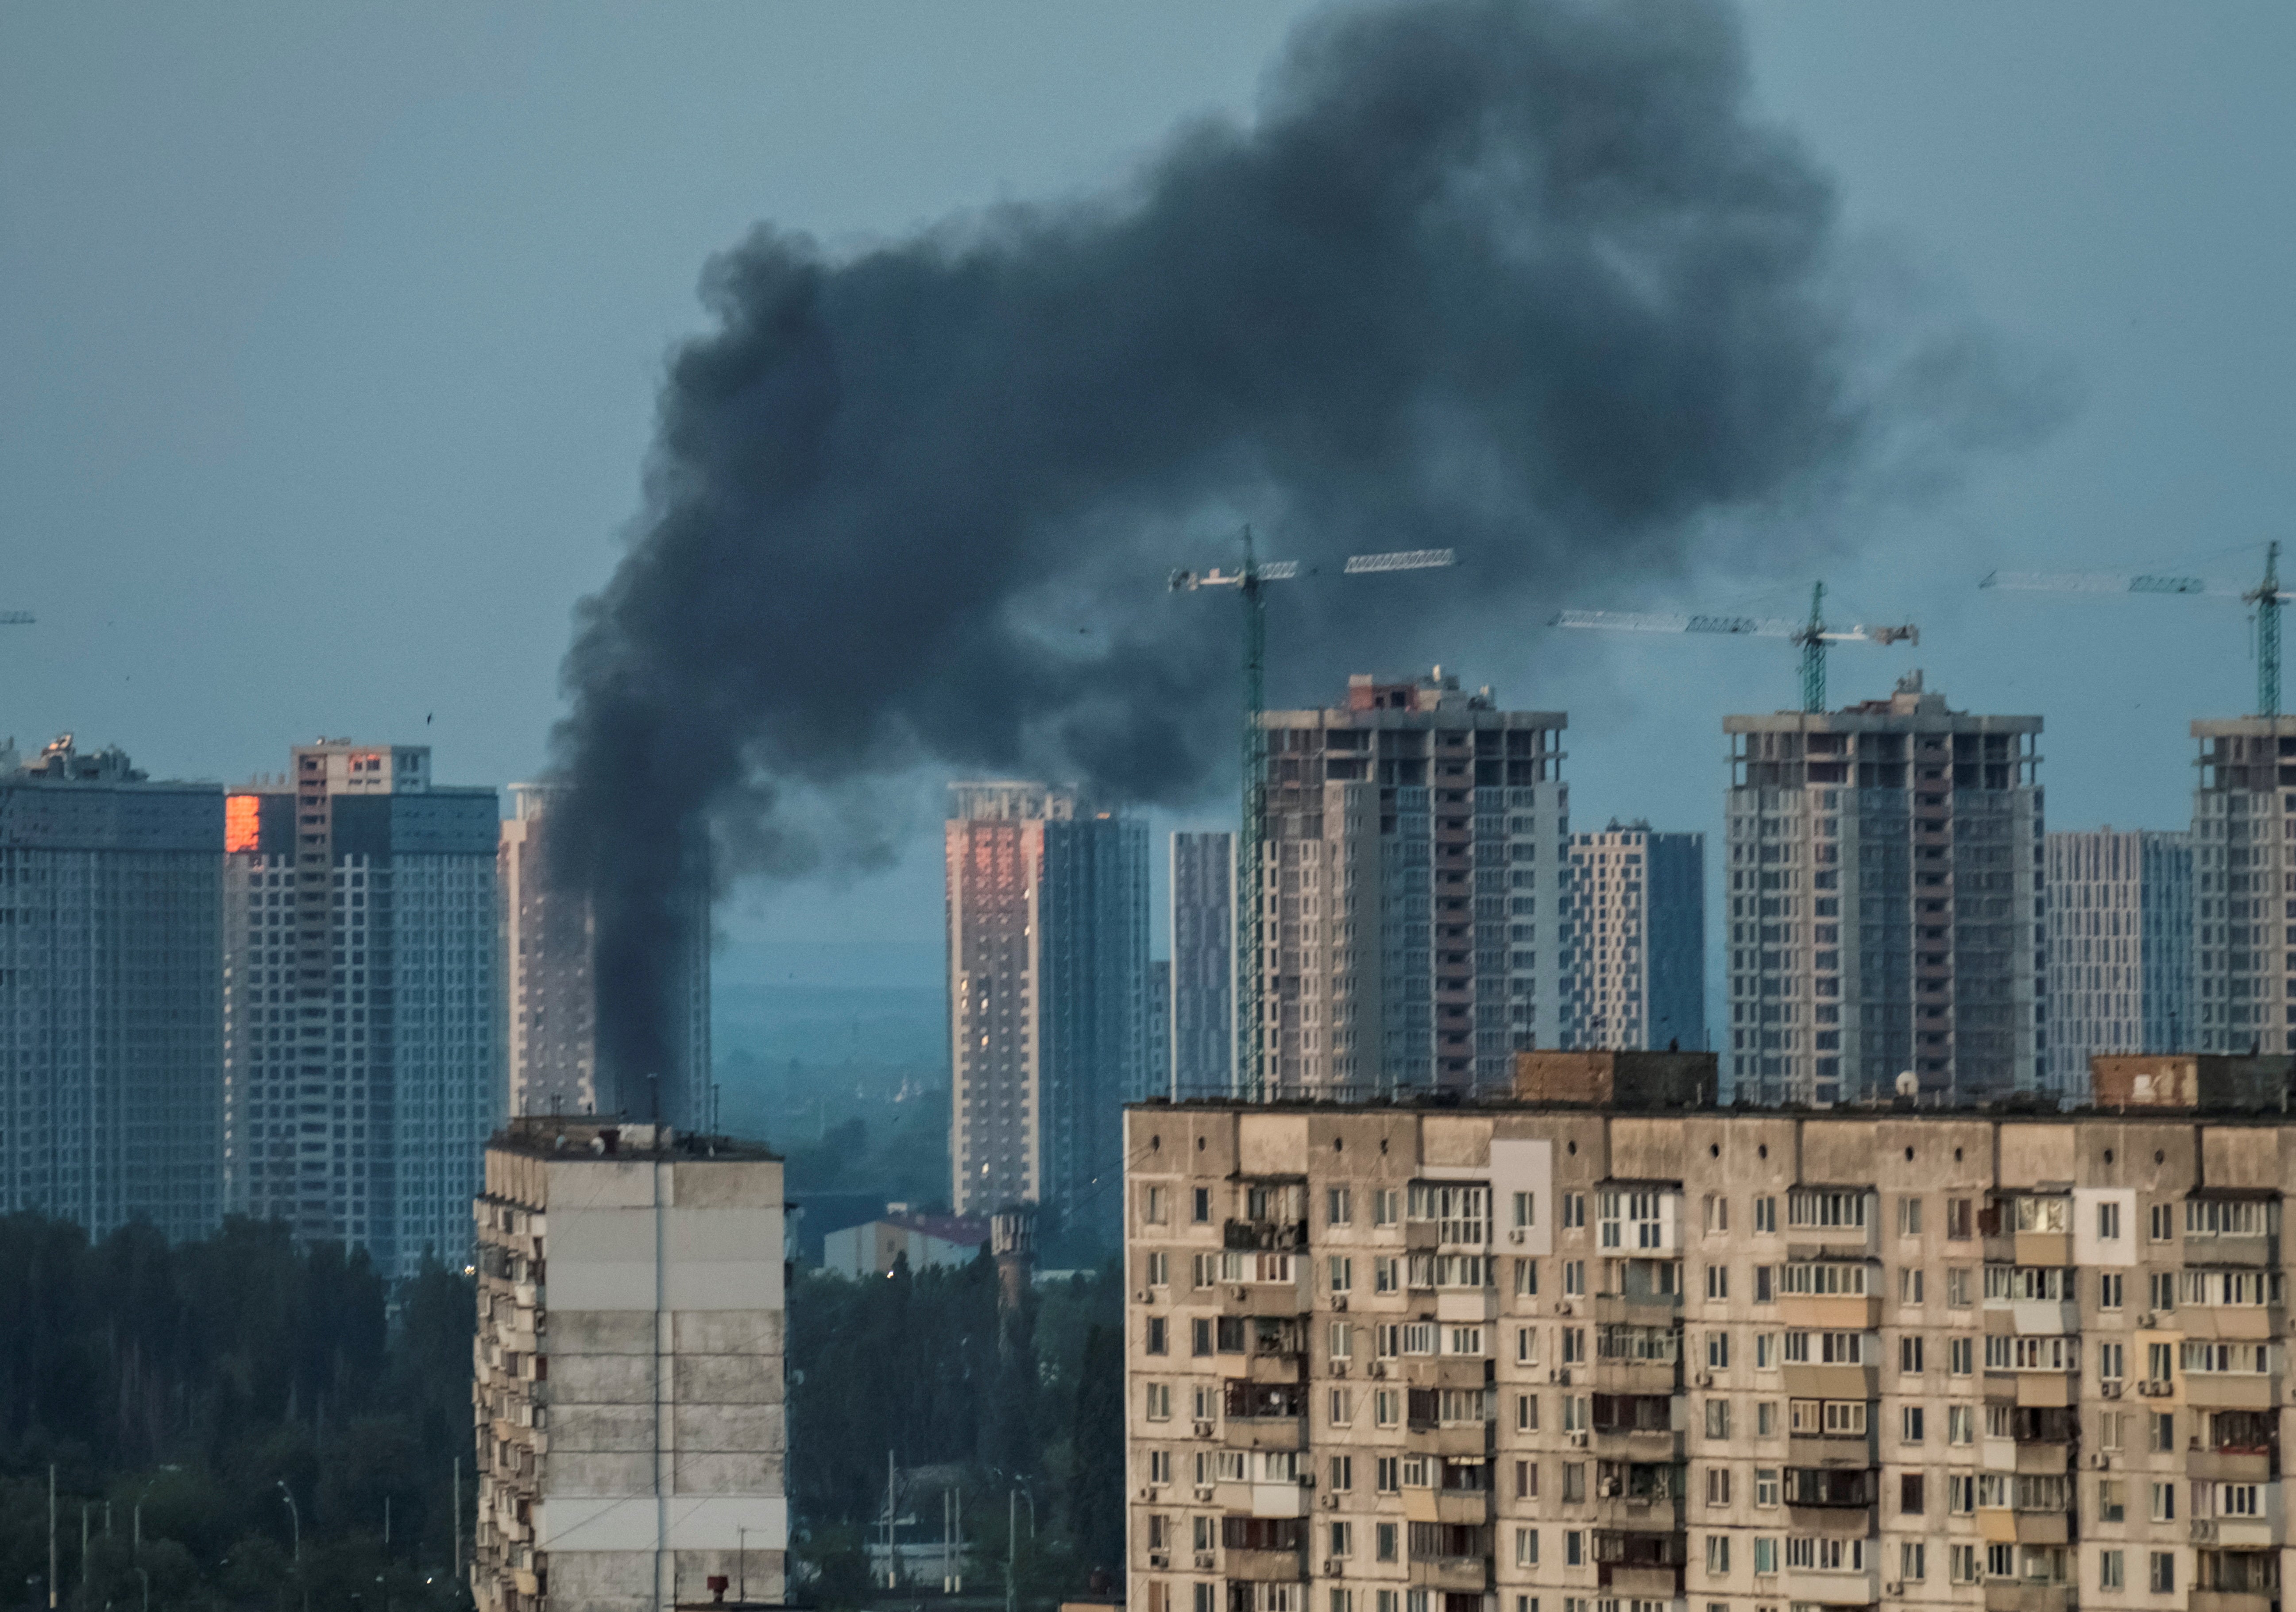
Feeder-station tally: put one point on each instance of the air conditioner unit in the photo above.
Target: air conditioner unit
(1331, 1502)
(1577, 1441)
(1158, 1560)
(1563, 1376)
(1204, 1427)
(2203, 1531)
(2145, 1321)
(1333, 1566)
(1608, 1489)
(1378, 1367)
(1339, 1368)
(1307, 1480)
(1204, 1491)
(1894, 1587)
(1148, 1493)
(1143, 1298)
(1706, 1379)
(1237, 1292)
(2111, 1390)
(1204, 1561)
(1339, 1302)
(2098, 1461)
(1515, 1235)
(1563, 1308)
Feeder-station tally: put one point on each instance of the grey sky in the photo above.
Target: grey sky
(328, 338)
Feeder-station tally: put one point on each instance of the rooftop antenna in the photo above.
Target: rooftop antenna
(2266, 596)
(1813, 635)
(1249, 895)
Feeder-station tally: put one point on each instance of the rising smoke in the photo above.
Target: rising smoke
(1529, 279)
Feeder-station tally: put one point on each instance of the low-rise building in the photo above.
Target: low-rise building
(630, 1430)
(925, 1240)
(1634, 1352)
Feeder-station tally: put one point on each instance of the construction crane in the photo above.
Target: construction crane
(1813, 635)
(2268, 596)
(15, 618)
(1250, 916)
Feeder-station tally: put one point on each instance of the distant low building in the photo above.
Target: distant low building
(929, 1240)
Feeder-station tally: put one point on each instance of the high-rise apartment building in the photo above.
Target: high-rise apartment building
(2244, 885)
(1048, 997)
(1633, 940)
(2121, 949)
(111, 1019)
(1156, 1076)
(549, 989)
(1203, 964)
(632, 1447)
(362, 1059)
(1886, 902)
(1639, 1353)
(1411, 833)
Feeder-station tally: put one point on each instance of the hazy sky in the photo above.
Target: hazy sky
(329, 335)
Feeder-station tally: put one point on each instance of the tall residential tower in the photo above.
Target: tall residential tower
(2120, 950)
(360, 1015)
(1633, 940)
(111, 1049)
(1203, 964)
(1886, 902)
(2244, 885)
(1413, 833)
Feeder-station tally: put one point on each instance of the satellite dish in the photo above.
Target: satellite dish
(1909, 1085)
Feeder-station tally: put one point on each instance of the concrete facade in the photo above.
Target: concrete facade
(1886, 902)
(2121, 949)
(1500, 1357)
(1410, 831)
(1633, 940)
(631, 1436)
(111, 1064)
(2244, 885)
(925, 1240)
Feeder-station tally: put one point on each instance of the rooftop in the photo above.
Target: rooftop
(561, 1136)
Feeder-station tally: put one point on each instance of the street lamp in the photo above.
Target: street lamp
(294, 1518)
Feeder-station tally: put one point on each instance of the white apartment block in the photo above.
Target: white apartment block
(2244, 885)
(1508, 1357)
(1633, 940)
(362, 1059)
(1886, 903)
(631, 1438)
(2121, 949)
(1409, 834)
(111, 1027)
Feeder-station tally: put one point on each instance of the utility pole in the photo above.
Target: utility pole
(458, 1518)
(1012, 1545)
(51, 1536)
(892, 1580)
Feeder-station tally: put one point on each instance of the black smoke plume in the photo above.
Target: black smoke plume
(1529, 280)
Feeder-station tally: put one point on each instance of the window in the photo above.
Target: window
(1632, 1220)
(1526, 1345)
(2163, 1227)
(1960, 1424)
(1766, 1486)
(1766, 1215)
(2110, 1286)
(1960, 1492)
(1343, 1473)
(1385, 1274)
(1526, 1278)
(1718, 1211)
(2161, 1290)
(2108, 1222)
(2109, 1570)
(1343, 1539)
(1387, 1476)
(1574, 1278)
(1160, 1270)
(1910, 1217)
(2159, 1361)
(1718, 1555)
(2112, 1500)
(1964, 1564)
(1718, 1485)
(1339, 1206)
(1462, 1214)
(1199, 1335)
(1160, 1401)
(2112, 1359)
(1203, 1205)
(1574, 1481)
(1525, 1547)
(1384, 1541)
(1525, 1480)
(2220, 1217)
(1574, 1211)
(1910, 1493)
(1526, 1210)
(2162, 1432)
(1765, 1556)
(2044, 1214)
(1718, 1418)
(1717, 1281)
(1154, 1205)
(2164, 1502)
(1909, 1356)
(1957, 1286)
(1911, 1285)
(1826, 1209)
(1342, 1272)
(1342, 1407)
(1766, 1351)
(2109, 1430)
(1574, 1548)
(1386, 1210)
(1718, 1350)
(1909, 1425)
(1386, 1406)
(1958, 1219)
(2163, 1575)
(1765, 1285)
(1158, 1343)
(1766, 1418)
(1960, 1356)
(1912, 1560)
(1159, 1466)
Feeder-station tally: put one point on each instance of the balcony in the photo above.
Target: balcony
(1830, 1450)
(2233, 1464)
(1265, 1236)
(2006, 1595)
(1999, 1524)
(1845, 1589)
(1263, 1567)
(2230, 1390)
(1463, 1575)
(1465, 1507)
(1639, 1309)
(1636, 1563)
(1831, 1488)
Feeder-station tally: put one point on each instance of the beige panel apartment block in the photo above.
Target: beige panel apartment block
(1513, 1358)
(628, 1393)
